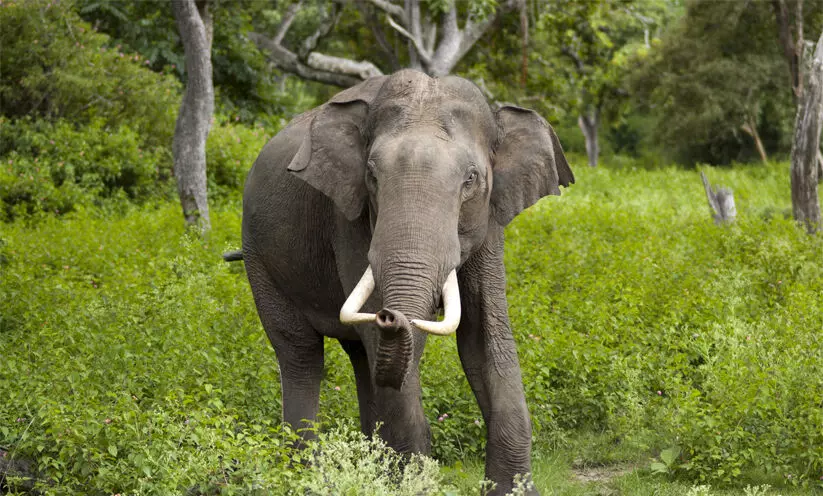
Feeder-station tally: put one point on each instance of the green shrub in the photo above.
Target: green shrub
(55, 167)
(56, 66)
(348, 463)
(634, 313)
(230, 152)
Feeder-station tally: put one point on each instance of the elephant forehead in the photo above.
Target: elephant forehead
(410, 86)
(453, 115)
(441, 118)
(423, 151)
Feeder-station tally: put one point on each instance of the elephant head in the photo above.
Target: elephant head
(432, 166)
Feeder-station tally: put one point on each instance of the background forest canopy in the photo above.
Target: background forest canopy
(656, 80)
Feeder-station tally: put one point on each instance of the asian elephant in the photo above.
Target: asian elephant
(388, 200)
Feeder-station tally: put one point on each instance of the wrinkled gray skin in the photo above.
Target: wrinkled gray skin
(415, 176)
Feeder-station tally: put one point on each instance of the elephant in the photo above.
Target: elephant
(362, 215)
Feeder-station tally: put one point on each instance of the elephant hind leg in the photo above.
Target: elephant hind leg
(299, 350)
(365, 393)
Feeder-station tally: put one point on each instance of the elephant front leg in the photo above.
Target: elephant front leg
(508, 446)
(489, 358)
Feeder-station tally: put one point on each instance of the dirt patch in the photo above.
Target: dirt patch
(600, 474)
(10, 467)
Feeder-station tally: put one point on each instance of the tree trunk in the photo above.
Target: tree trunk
(791, 50)
(524, 31)
(194, 120)
(588, 124)
(750, 128)
(806, 144)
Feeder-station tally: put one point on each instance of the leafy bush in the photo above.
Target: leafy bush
(348, 463)
(230, 152)
(57, 66)
(635, 313)
(54, 166)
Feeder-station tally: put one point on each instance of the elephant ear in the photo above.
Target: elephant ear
(332, 155)
(528, 163)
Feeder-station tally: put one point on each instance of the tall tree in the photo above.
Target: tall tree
(590, 43)
(716, 84)
(807, 161)
(434, 37)
(806, 147)
(194, 120)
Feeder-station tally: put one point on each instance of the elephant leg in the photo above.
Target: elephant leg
(365, 396)
(489, 358)
(299, 350)
(500, 395)
(400, 412)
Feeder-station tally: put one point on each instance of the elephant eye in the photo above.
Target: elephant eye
(370, 167)
(471, 178)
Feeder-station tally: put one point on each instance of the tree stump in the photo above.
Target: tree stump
(721, 200)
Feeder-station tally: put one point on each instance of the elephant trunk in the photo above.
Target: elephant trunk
(409, 290)
(394, 350)
(413, 250)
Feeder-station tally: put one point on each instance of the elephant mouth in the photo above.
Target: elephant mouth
(396, 342)
(350, 312)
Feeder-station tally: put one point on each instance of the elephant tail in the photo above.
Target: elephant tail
(233, 256)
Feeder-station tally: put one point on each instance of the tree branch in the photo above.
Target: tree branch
(413, 23)
(380, 35)
(421, 51)
(429, 34)
(455, 43)
(567, 51)
(781, 14)
(288, 61)
(391, 9)
(445, 56)
(326, 25)
(329, 63)
(285, 24)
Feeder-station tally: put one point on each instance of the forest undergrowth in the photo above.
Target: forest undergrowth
(133, 361)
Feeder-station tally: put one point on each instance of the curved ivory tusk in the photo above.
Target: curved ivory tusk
(451, 310)
(349, 313)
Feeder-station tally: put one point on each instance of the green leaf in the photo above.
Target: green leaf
(669, 455)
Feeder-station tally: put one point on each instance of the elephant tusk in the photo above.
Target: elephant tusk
(349, 312)
(451, 310)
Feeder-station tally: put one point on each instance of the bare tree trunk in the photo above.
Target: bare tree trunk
(806, 146)
(588, 124)
(750, 128)
(194, 120)
(524, 31)
(790, 48)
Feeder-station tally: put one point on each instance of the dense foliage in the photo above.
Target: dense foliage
(134, 360)
(85, 123)
(57, 67)
(245, 84)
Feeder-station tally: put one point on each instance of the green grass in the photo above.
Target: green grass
(133, 360)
